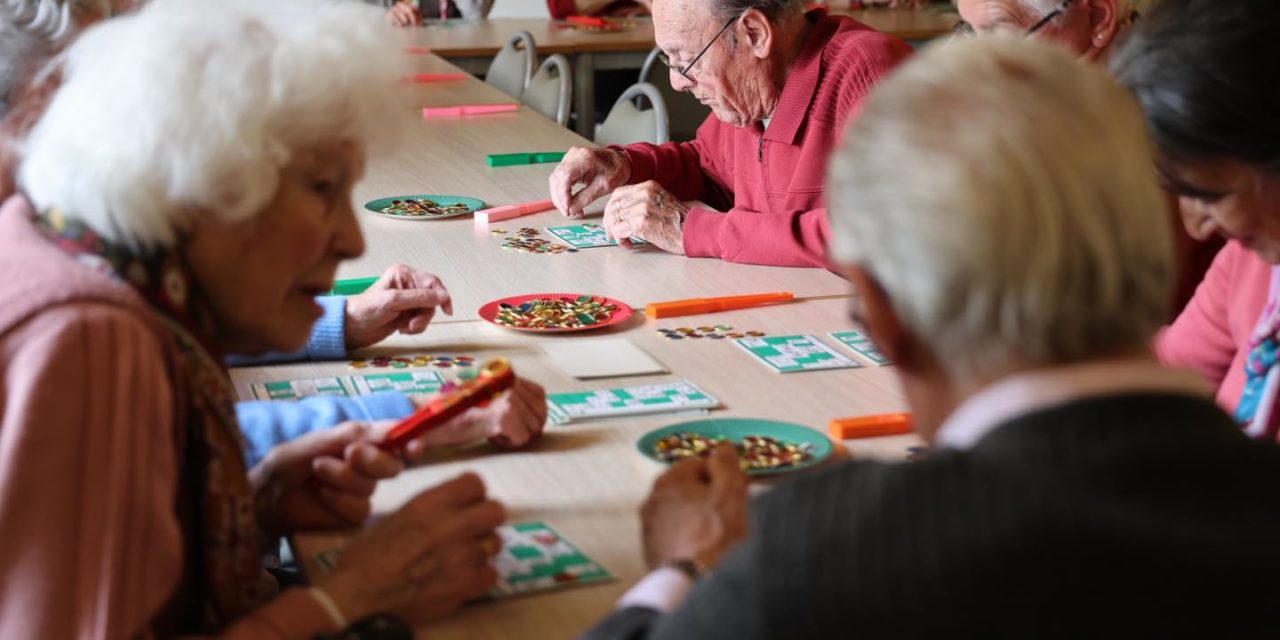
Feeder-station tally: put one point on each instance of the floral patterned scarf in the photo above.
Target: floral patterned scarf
(1256, 411)
(223, 537)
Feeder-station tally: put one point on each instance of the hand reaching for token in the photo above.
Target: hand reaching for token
(697, 510)
(404, 299)
(646, 211)
(599, 170)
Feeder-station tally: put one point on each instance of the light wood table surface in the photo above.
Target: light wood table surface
(584, 480)
(912, 25)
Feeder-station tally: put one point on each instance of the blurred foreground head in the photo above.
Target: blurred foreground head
(996, 208)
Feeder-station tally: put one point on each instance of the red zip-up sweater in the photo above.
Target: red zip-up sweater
(771, 181)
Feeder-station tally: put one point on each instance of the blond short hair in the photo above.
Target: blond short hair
(1002, 193)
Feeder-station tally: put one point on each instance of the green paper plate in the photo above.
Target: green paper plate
(735, 429)
(472, 205)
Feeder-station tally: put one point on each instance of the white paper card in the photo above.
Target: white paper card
(609, 358)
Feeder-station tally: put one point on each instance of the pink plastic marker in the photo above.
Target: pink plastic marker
(434, 77)
(417, 51)
(467, 110)
(485, 217)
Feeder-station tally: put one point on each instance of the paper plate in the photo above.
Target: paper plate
(472, 205)
(735, 429)
(489, 312)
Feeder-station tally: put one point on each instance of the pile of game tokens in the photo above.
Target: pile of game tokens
(418, 361)
(423, 208)
(754, 452)
(528, 242)
(556, 313)
(718, 332)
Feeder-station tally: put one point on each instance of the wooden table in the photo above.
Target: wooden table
(913, 25)
(585, 480)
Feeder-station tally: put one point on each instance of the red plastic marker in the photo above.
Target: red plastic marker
(497, 214)
(886, 424)
(468, 110)
(495, 377)
(434, 77)
(417, 51)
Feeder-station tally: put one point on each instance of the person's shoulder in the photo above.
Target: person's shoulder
(851, 38)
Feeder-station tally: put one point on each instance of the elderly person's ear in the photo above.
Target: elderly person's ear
(874, 311)
(756, 33)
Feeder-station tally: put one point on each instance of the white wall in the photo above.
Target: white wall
(519, 9)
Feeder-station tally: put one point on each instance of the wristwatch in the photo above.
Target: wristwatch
(689, 567)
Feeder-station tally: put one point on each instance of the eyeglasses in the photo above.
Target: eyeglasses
(963, 28)
(688, 67)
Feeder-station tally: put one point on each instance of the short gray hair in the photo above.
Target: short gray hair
(193, 108)
(1122, 6)
(30, 32)
(1003, 195)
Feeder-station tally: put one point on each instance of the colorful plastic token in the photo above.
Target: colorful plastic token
(767, 447)
(424, 207)
(555, 312)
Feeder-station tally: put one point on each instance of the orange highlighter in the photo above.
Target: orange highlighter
(885, 424)
(695, 306)
(495, 377)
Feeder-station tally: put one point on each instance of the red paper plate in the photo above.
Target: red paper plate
(489, 312)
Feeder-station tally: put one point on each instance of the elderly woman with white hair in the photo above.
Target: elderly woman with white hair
(187, 194)
(402, 300)
(1015, 273)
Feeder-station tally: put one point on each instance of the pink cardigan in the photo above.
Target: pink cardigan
(1212, 334)
(89, 465)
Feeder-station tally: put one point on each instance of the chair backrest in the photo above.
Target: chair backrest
(512, 68)
(627, 123)
(550, 92)
(684, 113)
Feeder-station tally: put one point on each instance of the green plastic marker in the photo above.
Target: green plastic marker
(514, 159)
(351, 286)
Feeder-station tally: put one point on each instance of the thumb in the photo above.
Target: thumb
(399, 300)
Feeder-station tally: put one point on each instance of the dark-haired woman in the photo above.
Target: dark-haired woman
(1204, 73)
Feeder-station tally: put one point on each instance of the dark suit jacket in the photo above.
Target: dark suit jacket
(1130, 515)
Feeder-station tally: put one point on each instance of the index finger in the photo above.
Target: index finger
(725, 469)
(461, 491)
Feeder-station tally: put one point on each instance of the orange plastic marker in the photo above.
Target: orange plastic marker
(423, 78)
(495, 377)
(694, 306)
(468, 110)
(506, 212)
(590, 21)
(885, 424)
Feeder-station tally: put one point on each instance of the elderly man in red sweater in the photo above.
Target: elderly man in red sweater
(781, 84)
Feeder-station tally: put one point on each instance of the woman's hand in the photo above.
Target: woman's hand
(404, 299)
(424, 561)
(514, 419)
(321, 480)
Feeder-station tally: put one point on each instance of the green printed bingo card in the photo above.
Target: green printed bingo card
(536, 558)
(861, 345)
(789, 354)
(628, 401)
(585, 236)
(406, 382)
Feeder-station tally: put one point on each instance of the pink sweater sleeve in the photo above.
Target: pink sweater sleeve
(1200, 338)
(88, 475)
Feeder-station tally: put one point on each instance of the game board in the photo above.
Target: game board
(407, 382)
(861, 345)
(789, 354)
(585, 236)
(534, 557)
(628, 401)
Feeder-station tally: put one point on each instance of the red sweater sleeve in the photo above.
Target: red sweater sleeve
(1200, 338)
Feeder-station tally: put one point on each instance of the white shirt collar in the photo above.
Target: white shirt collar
(1032, 391)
